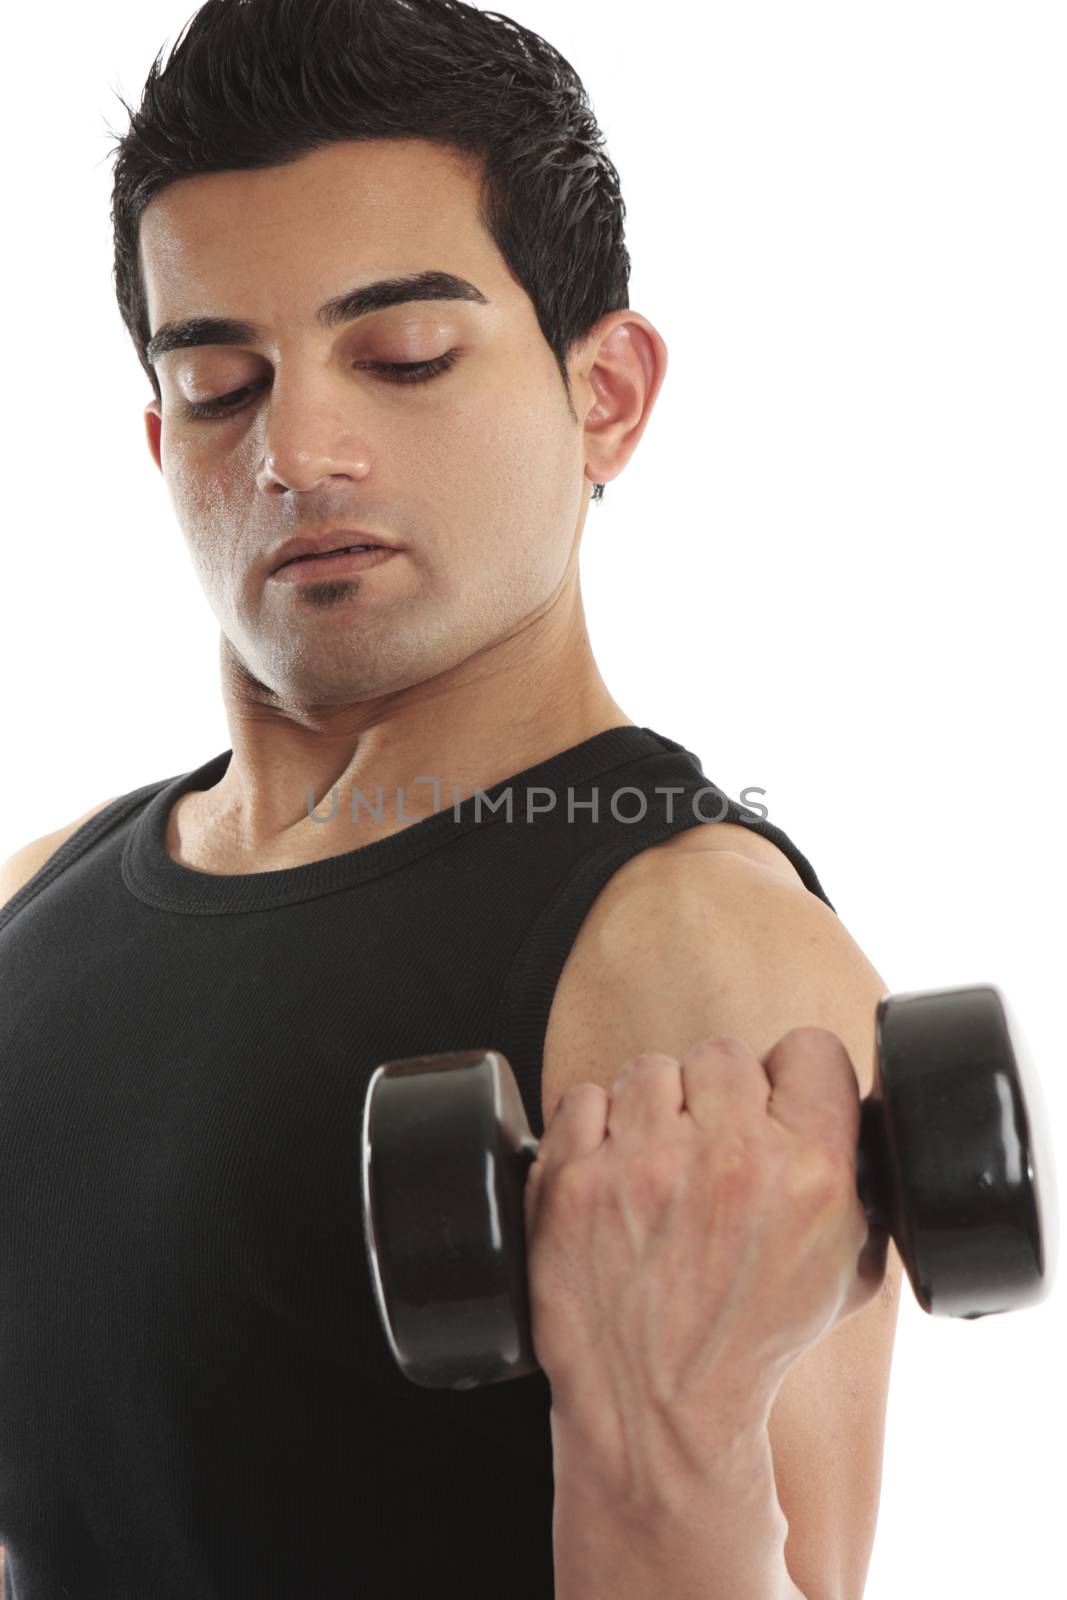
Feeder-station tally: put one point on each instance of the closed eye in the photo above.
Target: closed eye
(391, 371)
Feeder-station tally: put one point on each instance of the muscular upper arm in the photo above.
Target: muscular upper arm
(19, 868)
(712, 943)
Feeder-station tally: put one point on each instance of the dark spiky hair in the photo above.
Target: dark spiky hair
(260, 83)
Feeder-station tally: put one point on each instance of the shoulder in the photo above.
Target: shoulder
(681, 945)
(19, 868)
(725, 838)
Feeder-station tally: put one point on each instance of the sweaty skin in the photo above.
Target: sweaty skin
(466, 656)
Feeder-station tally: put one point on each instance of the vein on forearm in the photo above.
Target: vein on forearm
(719, 1535)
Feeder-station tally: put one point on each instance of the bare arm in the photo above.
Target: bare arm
(723, 947)
(721, 1540)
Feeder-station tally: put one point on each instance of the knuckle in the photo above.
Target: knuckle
(811, 1033)
(648, 1061)
(810, 1040)
(725, 1043)
(571, 1187)
(734, 1164)
(650, 1064)
(654, 1179)
(723, 1058)
(731, 1044)
(821, 1177)
(575, 1092)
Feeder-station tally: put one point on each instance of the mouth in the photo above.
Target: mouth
(327, 555)
(337, 541)
(342, 563)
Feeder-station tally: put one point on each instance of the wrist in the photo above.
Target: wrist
(654, 1459)
(665, 1530)
(655, 1469)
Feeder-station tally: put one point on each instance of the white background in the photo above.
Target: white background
(833, 567)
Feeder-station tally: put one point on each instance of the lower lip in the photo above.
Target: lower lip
(310, 568)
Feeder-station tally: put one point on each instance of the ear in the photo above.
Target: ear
(622, 371)
(153, 421)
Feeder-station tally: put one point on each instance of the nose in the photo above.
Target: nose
(292, 467)
(308, 439)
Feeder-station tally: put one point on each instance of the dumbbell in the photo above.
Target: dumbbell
(952, 1159)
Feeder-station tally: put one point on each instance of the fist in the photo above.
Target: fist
(690, 1235)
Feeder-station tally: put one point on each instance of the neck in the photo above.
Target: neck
(506, 708)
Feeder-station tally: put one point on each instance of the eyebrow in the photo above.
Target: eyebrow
(431, 285)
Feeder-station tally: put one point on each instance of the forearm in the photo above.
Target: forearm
(715, 1536)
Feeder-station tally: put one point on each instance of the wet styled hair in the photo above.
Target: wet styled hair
(260, 83)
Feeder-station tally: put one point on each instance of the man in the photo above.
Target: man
(195, 1392)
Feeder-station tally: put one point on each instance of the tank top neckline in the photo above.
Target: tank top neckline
(156, 879)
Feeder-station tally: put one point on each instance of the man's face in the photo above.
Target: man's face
(477, 473)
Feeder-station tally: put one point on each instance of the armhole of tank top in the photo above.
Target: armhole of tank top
(528, 990)
(770, 830)
(526, 997)
(76, 845)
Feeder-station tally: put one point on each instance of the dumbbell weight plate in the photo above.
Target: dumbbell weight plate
(446, 1151)
(970, 1190)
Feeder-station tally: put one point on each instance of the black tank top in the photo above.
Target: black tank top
(197, 1400)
